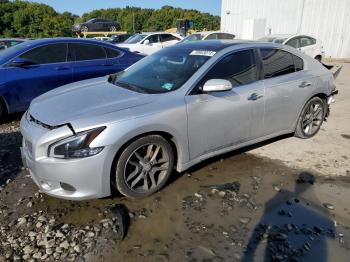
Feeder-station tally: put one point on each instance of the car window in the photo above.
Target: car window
(277, 62)
(226, 36)
(81, 52)
(112, 53)
(164, 71)
(47, 54)
(168, 37)
(211, 37)
(299, 63)
(153, 39)
(239, 68)
(294, 42)
(306, 41)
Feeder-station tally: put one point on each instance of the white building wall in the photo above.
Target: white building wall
(328, 20)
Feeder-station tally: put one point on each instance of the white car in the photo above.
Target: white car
(208, 35)
(102, 38)
(306, 44)
(148, 43)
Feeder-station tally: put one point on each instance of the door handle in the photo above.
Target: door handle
(62, 68)
(255, 96)
(305, 84)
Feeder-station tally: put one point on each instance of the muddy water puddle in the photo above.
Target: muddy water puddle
(270, 217)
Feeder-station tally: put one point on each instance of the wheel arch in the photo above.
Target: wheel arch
(4, 105)
(166, 135)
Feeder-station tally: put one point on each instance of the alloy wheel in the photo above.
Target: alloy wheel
(113, 29)
(313, 118)
(146, 168)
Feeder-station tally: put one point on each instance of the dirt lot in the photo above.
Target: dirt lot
(287, 200)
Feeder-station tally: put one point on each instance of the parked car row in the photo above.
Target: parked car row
(32, 68)
(306, 44)
(9, 42)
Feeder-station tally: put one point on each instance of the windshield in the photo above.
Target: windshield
(276, 40)
(193, 37)
(164, 71)
(135, 39)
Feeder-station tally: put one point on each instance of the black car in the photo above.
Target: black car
(97, 25)
(117, 39)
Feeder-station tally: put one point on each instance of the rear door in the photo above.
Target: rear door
(218, 120)
(89, 61)
(308, 46)
(50, 70)
(287, 85)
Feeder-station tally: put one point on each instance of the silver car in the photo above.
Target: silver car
(169, 111)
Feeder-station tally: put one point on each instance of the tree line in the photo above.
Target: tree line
(34, 20)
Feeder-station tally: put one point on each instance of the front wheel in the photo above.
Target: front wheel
(113, 29)
(84, 29)
(144, 166)
(311, 118)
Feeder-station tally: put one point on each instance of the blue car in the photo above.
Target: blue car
(34, 67)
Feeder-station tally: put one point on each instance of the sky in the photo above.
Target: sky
(82, 6)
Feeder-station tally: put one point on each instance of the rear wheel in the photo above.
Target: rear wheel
(113, 29)
(311, 118)
(144, 166)
(84, 28)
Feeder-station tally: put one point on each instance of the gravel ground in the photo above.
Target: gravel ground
(282, 201)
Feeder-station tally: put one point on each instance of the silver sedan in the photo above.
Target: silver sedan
(169, 111)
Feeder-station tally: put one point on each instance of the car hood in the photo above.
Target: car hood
(89, 98)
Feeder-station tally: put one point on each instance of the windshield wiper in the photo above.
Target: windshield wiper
(131, 87)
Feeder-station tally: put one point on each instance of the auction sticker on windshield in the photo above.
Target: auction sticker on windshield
(203, 53)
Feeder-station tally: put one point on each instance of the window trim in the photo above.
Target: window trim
(194, 89)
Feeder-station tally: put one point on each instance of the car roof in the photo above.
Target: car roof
(215, 45)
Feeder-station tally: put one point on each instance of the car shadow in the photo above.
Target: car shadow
(207, 162)
(292, 228)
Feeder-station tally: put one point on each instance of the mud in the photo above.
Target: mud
(272, 213)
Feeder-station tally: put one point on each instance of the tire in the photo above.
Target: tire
(84, 28)
(113, 29)
(141, 170)
(311, 118)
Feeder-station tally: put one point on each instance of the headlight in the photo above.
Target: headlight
(77, 146)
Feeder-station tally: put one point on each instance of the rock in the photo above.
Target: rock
(90, 234)
(222, 194)
(45, 256)
(77, 248)
(58, 250)
(29, 204)
(28, 249)
(329, 206)
(244, 220)
(59, 234)
(277, 188)
(37, 255)
(64, 245)
(49, 251)
(305, 178)
(39, 225)
(198, 195)
(21, 221)
(50, 243)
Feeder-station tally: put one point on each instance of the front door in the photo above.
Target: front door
(153, 45)
(50, 70)
(221, 119)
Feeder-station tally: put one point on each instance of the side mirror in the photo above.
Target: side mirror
(217, 85)
(20, 62)
(146, 42)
